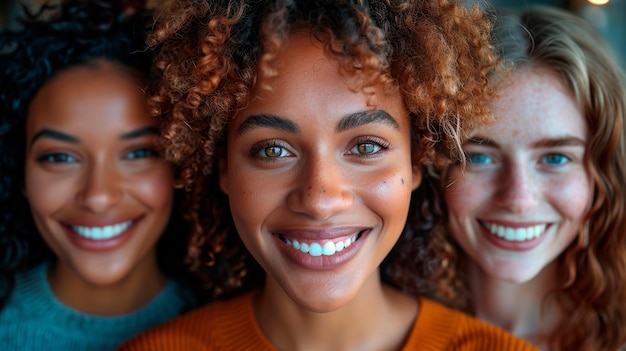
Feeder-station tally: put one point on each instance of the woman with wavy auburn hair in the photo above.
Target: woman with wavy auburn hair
(539, 211)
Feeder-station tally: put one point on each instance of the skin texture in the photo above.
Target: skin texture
(91, 161)
(322, 183)
(525, 170)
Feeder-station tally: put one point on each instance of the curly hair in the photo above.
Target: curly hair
(77, 33)
(592, 270)
(211, 54)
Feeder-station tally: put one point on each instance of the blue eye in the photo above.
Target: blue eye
(478, 158)
(142, 153)
(56, 158)
(555, 159)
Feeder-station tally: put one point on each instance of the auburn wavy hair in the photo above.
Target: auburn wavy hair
(592, 270)
(211, 54)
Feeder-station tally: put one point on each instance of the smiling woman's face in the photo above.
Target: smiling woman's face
(99, 193)
(525, 192)
(318, 181)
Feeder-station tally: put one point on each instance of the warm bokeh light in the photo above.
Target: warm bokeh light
(599, 2)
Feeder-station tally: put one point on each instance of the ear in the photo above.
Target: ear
(417, 176)
(223, 174)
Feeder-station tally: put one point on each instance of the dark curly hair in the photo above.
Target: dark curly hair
(211, 53)
(591, 286)
(77, 33)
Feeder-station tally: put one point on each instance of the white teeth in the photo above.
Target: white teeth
(102, 233)
(516, 234)
(316, 249)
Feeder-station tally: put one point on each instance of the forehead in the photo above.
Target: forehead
(308, 79)
(95, 96)
(535, 103)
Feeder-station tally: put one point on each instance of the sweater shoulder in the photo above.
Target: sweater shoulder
(441, 328)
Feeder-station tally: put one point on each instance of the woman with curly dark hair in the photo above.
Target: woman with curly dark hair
(299, 129)
(539, 211)
(84, 195)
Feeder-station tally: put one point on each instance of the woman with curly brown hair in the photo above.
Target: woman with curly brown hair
(300, 129)
(539, 210)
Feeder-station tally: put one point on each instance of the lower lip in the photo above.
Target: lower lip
(322, 262)
(101, 245)
(514, 245)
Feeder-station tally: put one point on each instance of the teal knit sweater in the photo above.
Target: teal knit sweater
(34, 319)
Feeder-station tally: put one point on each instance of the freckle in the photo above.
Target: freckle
(516, 132)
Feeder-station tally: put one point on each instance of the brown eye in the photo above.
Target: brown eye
(274, 151)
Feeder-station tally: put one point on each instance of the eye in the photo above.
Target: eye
(369, 146)
(476, 158)
(555, 159)
(56, 157)
(271, 149)
(142, 153)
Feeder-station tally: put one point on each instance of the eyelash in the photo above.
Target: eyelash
(263, 146)
(382, 144)
(56, 157)
(64, 157)
(259, 150)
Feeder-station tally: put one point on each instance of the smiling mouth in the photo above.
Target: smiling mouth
(515, 234)
(321, 248)
(102, 233)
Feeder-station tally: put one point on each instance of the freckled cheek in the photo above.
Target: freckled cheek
(464, 196)
(571, 196)
(387, 193)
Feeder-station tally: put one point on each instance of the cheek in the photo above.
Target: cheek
(464, 195)
(387, 193)
(154, 189)
(572, 197)
(46, 193)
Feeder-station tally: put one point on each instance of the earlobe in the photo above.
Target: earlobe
(223, 175)
(417, 176)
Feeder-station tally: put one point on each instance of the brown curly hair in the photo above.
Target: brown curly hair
(211, 54)
(592, 270)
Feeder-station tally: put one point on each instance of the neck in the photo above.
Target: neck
(122, 296)
(377, 318)
(521, 308)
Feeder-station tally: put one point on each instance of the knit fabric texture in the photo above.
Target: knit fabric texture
(34, 319)
(230, 325)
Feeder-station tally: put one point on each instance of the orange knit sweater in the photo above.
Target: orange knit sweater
(230, 325)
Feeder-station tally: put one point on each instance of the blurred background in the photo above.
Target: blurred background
(607, 16)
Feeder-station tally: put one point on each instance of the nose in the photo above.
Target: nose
(101, 188)
(518, 189)
(320, 190)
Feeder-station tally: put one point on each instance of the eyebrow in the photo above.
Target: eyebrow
(366, 117)
(54, 134)
(542, 143)
(58, 135)
(140, 132)
(349, 121)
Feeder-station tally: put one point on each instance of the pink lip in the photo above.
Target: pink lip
(307, 261)
(101, 245)
(513, 245)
